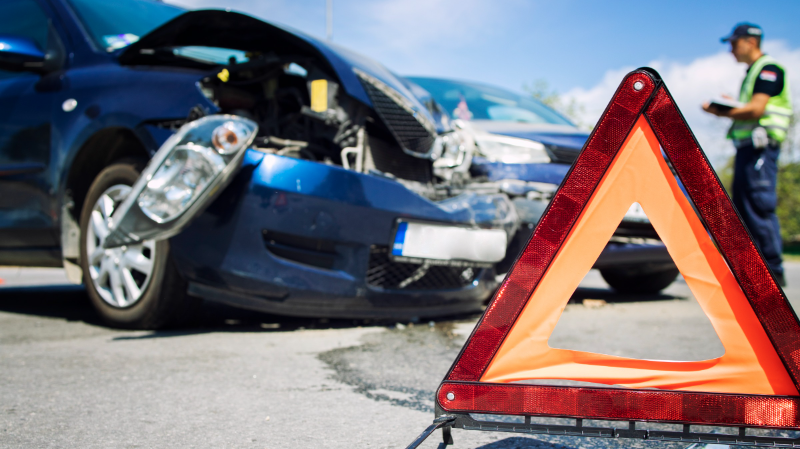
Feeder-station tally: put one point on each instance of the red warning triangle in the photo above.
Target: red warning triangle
(754, 384)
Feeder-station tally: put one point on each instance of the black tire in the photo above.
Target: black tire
(633, 281)
(163, 302)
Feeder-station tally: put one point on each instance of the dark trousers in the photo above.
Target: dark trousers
(755, 198)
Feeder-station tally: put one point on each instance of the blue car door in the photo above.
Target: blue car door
(28, 211)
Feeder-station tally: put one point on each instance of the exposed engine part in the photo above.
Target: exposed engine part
(293, 99)
(286, 142)
(297, 153)
(303, 113)
(358, 151)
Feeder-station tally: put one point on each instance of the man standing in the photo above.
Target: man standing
(759, 126)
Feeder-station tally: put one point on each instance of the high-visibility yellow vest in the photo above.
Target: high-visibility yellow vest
(778, 113)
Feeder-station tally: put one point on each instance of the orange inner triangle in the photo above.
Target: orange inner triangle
(640, 174)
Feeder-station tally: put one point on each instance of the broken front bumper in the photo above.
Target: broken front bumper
(302, 238)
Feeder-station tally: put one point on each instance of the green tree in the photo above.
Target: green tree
(789, 184)
(726, 175)
(542, 91)
(789, 201)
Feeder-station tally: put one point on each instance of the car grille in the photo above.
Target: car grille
(387, 159)
(415, 137)
(387, 274)
(562, 155)
(309, 251)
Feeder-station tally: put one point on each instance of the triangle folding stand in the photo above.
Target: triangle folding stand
(754, 384)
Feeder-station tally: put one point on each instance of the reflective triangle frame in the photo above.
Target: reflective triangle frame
(642, 93)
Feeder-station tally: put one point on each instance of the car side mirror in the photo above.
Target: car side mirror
(20, 54)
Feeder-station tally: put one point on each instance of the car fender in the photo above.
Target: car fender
(103, 106)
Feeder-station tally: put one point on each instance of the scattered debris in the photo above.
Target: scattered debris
(594, 303)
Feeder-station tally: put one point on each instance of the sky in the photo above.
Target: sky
(581, 48)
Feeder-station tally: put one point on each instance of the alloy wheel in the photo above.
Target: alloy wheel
(119, 275)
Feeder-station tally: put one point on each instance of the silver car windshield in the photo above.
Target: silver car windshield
(474, 101)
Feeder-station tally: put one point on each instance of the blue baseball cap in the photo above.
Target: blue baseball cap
(743, 29)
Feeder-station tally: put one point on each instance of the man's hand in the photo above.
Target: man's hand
(716, 111)
(751, 111)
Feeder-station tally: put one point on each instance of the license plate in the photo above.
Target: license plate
(636, 213)
(439, 244)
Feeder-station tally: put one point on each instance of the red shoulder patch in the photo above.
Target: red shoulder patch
(767, 75)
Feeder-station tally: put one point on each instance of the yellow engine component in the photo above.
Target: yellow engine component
(319, 95)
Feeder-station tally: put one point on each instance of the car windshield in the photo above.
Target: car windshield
(472, 101)
(119, 23)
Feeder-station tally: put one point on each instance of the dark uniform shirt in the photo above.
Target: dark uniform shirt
(769, 81)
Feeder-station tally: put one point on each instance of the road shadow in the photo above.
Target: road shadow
(216, 317)
(67, 302)
(609, 295)
(71, 303)
(520, 443)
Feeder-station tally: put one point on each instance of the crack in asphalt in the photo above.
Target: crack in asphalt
(399, 366)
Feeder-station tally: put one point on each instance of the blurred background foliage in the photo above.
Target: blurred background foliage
(541, 90)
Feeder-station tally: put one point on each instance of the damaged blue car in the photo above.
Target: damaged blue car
(163, 156)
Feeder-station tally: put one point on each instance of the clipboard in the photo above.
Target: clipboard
(724, 104)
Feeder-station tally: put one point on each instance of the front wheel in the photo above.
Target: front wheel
(633, 281)
(133, 286)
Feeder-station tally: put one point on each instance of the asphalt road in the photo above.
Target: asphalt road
(251, 380)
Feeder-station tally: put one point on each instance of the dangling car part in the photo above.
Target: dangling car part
(182, 178)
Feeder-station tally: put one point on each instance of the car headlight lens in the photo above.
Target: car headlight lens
(196, 160)
(183, 176)
(511, 150)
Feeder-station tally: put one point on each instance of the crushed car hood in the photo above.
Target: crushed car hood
(232, 30)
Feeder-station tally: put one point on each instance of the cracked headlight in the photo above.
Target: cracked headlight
(511, 150)
(182, 178)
